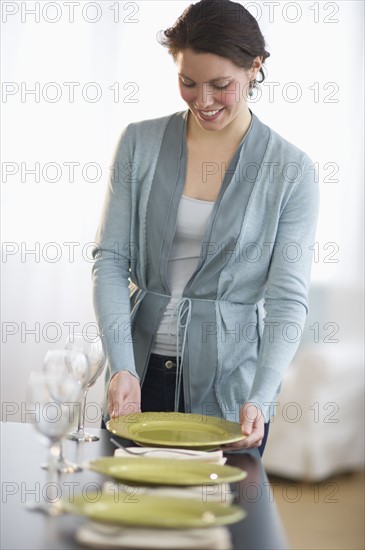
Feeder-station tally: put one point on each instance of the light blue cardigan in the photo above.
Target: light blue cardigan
(255, 260)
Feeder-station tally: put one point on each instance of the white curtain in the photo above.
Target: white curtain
(96, 66)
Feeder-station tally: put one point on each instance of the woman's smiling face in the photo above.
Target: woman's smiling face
(214, 88)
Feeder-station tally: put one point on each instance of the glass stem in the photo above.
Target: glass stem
(54, 454)
(60, 455)
(81, 424)
(53, 457)
(50, 492)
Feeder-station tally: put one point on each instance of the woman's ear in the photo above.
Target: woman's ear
(256, 65)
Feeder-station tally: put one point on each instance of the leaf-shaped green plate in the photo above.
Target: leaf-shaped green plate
(162, 471)
(153, 511)
(185, 430)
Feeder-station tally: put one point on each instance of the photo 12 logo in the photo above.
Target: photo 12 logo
(70, 12)
(288, 12)
(68, 92)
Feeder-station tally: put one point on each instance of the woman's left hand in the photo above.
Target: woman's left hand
(252, 424)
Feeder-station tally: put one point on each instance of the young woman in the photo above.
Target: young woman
(202, 269)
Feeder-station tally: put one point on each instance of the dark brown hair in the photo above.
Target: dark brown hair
(220, 27)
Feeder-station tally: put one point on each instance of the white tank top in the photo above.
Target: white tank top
(192, 219)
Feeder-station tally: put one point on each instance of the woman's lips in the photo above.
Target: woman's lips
(205, 115)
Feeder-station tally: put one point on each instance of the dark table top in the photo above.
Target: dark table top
(22, 480)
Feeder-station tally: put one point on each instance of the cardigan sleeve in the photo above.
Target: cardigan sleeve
(111, 269)
(286, 296)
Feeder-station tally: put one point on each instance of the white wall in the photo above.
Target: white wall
(46, 295)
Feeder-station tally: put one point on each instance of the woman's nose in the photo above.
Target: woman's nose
(205, 96)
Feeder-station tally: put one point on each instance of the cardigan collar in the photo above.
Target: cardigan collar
(227, 218)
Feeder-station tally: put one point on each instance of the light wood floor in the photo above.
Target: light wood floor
(328, 515)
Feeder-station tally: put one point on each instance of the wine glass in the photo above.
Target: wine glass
(94, 351)
(74, 364)
(53, 396)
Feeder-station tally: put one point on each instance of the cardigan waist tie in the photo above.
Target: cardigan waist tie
(183, 312)
(183, 309)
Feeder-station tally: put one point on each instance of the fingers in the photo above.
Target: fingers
(250, 418)
(113, 405)
(254, 440)
(122, 409)
(250, 442)
(111, 409)
(252, 426)
(122, 405)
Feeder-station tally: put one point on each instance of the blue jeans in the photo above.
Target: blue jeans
(158, 388)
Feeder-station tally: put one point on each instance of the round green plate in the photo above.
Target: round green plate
(162, 471)
(153, 511)
(183, 430)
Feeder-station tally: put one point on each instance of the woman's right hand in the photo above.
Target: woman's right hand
(124, 394)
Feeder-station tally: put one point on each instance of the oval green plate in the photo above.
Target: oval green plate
(162, 471)
(185, 430)
(153, 511)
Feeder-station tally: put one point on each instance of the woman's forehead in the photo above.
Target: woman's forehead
(205, 66)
